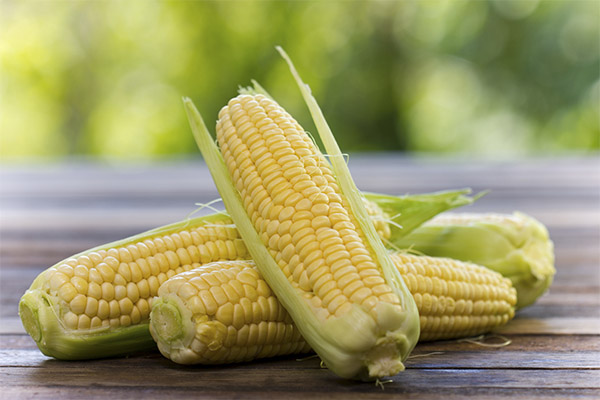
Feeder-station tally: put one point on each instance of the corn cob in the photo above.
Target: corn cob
(307, 231)
(96, 303)
(517, 246)
(224, 312)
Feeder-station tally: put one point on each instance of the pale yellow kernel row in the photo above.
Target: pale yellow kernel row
(435, 327)
(114, 286)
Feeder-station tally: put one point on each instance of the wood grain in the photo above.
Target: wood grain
(49, 212)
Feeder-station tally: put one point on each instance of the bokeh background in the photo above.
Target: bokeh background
(497, 78)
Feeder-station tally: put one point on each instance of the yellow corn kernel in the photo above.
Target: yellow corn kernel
(103, 309)
(67, 292)
(91, 307)
(84, 322)
(77, 305)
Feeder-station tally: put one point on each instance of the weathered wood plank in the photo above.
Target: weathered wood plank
(11, 326)
(393, 168)
(53, 392)
(545, 311)
(568, 296)
(21, 341)
(288, 375)
(534, 343)
(553, 326)
(478, 358)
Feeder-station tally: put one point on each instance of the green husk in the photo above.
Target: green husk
(408, 212)
(517, 246)
(39, 316)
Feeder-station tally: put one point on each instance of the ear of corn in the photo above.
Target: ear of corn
(293, 226)
(225, 312)
(517, 246)
(222, 313)
(57, 310)
(96, 303)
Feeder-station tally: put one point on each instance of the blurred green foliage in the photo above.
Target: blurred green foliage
(491, 78)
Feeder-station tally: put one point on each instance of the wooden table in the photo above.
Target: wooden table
(49, 212)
